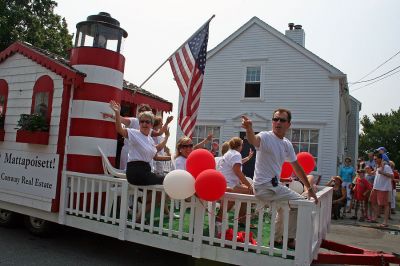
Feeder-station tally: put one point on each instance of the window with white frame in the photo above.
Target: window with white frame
(252, 87)
(305, 140)
(201, 132)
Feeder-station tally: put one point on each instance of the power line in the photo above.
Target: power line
(376, 81)
(375, 77)
(379, 66)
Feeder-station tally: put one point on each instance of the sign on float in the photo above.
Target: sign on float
(29, 173)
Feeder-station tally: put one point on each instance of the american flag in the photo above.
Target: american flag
(188, 64)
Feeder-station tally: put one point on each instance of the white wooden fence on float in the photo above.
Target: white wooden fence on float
(99, 203)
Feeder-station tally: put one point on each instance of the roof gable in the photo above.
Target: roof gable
(335, 73)
(46, 59)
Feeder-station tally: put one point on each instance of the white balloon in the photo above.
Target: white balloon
(179, 184)
(296, 186)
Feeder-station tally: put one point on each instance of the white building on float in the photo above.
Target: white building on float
(256, 70)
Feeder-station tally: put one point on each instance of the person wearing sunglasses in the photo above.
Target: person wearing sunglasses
(142, 149)
(273, 149)
(133, 122)
(184, 147)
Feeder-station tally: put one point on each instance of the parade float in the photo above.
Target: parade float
(58, 153)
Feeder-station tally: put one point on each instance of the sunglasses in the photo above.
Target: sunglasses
(276, 119)
(145, 121)
(187, 146)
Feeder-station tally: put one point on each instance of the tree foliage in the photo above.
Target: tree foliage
(382, 130)
(35, 22)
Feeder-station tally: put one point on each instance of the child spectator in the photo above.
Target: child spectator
(361, 190)
(385, 157)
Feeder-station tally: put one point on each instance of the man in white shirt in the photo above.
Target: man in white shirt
(273, 149)
(381, 189)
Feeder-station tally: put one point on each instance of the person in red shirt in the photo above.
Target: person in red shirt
(361, 191)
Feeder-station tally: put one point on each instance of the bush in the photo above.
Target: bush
(32, 122)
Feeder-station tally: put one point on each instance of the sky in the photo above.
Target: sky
(355, 36)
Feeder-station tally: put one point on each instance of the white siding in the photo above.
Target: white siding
(289, 80)
(21, 74)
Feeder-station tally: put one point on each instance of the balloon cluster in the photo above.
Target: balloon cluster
(200, 178)
(305, 159)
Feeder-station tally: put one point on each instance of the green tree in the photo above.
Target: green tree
(35, 22)
(382, 130)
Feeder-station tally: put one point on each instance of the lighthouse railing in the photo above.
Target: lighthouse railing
(146, 215)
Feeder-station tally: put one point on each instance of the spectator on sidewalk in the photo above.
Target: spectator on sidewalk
(361, 190)
(395, 180)
(370, 162)
(347, 174)
(338, 196)
(381, 189)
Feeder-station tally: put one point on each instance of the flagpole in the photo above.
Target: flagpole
(208, 21)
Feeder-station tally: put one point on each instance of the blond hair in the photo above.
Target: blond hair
(235, 143)
(224, 147)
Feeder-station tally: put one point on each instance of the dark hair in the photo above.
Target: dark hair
(157, 121)
(379, 155)
(283, 110)
(144, 107)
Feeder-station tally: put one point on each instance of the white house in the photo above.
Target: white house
(258, 69)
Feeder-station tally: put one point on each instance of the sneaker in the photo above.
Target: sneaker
(353, 217)
(362, 219)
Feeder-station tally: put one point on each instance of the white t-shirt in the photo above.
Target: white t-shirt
(271, 154)
(225, 166)
(158, 166)
(381, 182)
(141, 147)
(134, 123)
(180, 163)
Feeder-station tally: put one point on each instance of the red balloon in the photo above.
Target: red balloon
(210, 185)
(306, 160)
(198, 161)
(287, 170)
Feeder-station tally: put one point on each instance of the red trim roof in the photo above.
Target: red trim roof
(68, 73)
(131, 93)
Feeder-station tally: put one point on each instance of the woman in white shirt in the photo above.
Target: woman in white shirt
(231, 167)
(142, 148)
(133, 122)
(184, 147)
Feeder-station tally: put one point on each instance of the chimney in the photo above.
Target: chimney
(296, 33)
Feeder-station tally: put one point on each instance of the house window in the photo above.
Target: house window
(253, 82)
(305, 140)
(42, 98)
(201, 132)
(3, 101)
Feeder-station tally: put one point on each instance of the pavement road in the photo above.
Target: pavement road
(76, 247)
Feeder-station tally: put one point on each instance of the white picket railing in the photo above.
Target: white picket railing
(93, 201)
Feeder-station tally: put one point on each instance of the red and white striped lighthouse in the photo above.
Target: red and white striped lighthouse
(97, 54)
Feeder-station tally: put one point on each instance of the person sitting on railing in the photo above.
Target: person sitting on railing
(225, 147)
(231, 167)
(133, 122)
(184, 147)
(338, 196)
(142, 148)
(272, 151)
(158, 166)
